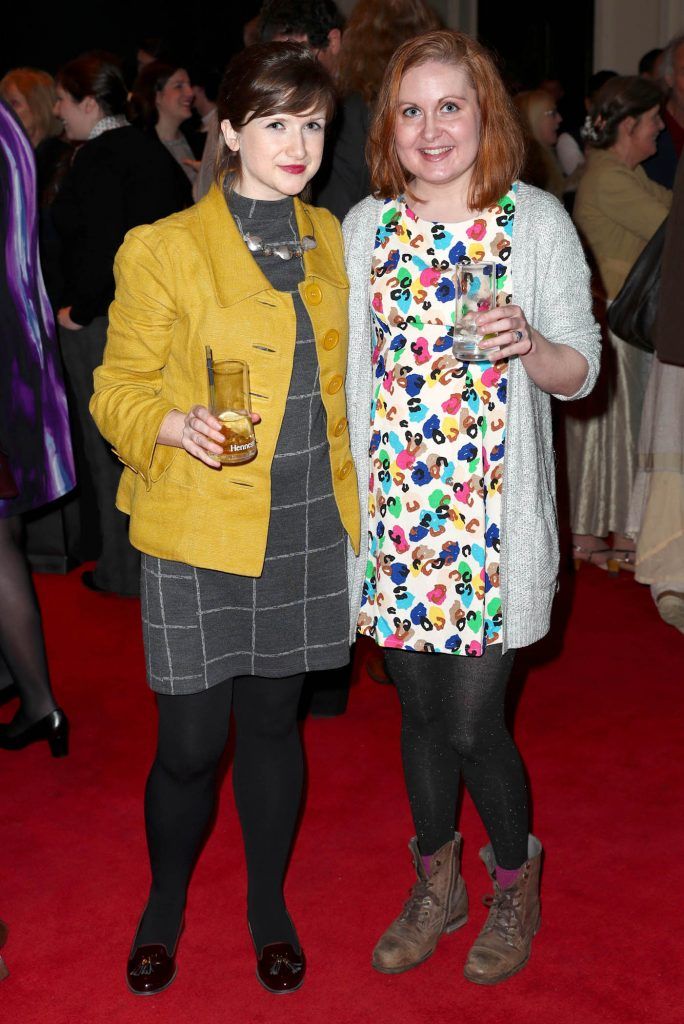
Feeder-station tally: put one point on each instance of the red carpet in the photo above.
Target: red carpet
(600, 728)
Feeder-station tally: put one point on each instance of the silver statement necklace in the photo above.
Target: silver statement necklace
(284, 250)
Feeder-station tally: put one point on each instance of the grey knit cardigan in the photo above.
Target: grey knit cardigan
(550, 281)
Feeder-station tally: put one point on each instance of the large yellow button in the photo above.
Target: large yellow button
(344, 470)
(334, 384)
(314, 294)
(331, 339)
(340, 427)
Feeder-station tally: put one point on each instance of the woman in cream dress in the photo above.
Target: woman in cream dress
(617, 210)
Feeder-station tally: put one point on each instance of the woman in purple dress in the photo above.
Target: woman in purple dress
(35, 445)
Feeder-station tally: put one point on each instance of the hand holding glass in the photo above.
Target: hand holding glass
(475, 285)
(230, 402)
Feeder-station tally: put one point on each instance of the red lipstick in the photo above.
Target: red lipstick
(293, 168)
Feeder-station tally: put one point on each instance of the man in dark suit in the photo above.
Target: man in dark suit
(343, 178)
(662, 166)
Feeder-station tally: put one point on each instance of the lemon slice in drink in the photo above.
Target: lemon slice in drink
(236, 423)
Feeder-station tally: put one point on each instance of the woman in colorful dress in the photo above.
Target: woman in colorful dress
(462, 554)
(244, 584)
(36, 464)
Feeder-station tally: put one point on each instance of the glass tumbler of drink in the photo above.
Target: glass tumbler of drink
(475, 285)
(229, 401)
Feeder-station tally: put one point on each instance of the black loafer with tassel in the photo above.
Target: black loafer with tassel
(150, 970)
(280, 969)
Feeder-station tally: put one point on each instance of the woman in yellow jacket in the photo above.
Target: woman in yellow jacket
(243, 582)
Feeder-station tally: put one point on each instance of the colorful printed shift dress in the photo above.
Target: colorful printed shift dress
(438, 429)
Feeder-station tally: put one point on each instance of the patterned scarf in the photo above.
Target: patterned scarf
(106, 124)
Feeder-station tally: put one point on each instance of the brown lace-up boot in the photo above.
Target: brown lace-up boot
(438, 903)
(503, 946)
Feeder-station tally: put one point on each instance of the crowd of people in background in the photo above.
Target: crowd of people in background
(95, 155)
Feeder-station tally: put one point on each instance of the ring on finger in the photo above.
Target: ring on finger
(518, 335)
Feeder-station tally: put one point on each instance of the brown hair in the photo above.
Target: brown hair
(96, 74)
(38, 89)
(501, 150)
(620, 97)
(265, 79)
(150, 82)
(374, 31)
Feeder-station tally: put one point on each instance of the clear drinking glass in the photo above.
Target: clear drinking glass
(229, 401)
(475, 285)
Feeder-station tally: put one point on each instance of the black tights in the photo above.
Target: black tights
(181, 790)
(21, 630)
(453, 723)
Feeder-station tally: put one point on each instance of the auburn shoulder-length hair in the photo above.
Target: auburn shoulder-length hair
(502, 146)
(38, 89)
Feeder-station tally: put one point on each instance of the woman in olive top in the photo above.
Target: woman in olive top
(243, 569)
(617, 210)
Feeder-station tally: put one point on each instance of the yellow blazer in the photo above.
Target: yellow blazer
(190, 281)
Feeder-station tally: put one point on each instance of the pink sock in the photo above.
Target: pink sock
(427, 861)
(506, 877)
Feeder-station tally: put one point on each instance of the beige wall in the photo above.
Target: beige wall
(624, 30)
(459, 14)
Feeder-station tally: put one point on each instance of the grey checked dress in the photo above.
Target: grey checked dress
(202, 626)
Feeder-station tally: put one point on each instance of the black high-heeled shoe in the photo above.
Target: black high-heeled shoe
(4, 973)
(53, 727)
(9, 693)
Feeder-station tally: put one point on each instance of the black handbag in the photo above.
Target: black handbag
(632, 313)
